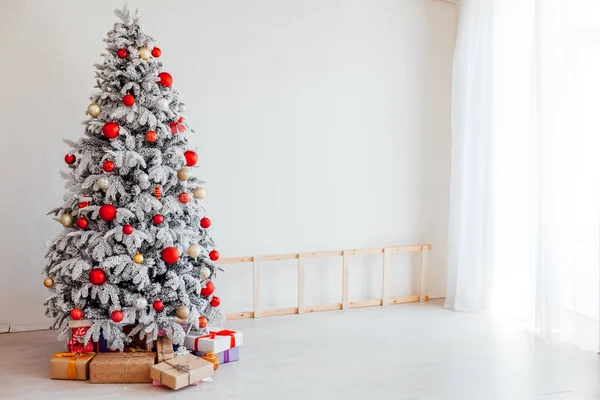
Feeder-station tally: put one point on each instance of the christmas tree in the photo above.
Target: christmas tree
(135, 247)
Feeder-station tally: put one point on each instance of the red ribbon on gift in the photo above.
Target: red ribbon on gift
(212, 335)
(177, 126)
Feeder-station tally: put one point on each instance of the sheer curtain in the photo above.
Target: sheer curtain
(524, 234)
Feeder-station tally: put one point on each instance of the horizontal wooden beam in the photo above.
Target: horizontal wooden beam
(402, 300)
(318, 254)
(279, 311)
(240, 315)
(277, 257)
(324, 307)
(235, 260)
(365, 303)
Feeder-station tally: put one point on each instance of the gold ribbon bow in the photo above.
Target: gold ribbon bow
(72, 367)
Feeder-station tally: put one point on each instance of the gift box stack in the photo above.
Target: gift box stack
(145, 360)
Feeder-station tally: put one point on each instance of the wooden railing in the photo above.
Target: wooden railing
(346, 303)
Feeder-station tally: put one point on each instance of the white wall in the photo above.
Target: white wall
(321, 124)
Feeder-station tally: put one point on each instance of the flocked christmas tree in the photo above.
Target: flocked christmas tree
(136, 246)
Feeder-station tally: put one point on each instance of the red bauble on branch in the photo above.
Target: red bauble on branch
(97, 276)
(208, 289)
(184, 197)
(82, 223)
(107, 212)
(191, 158)
(214, 255)
(165, 79)
(122, 53)
(205, 222)
(108, 166)
(110, 130)
(158, 306)
(215, 301)
(202, 322)
(70, 159)
(76, 313)
(170, 255)
(151, 136)
(128, 100)
(116, 316)
(156, 52)
(158, 219)
(128, 229)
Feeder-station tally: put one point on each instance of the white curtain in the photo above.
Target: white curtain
(524, 234)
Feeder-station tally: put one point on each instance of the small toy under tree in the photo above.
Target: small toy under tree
(135, 247)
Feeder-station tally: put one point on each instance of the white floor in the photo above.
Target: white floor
(412, 351)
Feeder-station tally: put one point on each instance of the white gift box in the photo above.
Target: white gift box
(214, 342)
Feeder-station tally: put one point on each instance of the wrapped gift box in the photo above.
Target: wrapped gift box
(214, 342)
(74, 366)
(164, 349)
(78, 330)
(132, 367)
(230, 355)
(182, 371)
(146, 343)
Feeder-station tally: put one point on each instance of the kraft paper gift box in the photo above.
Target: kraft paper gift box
(75, 366)
(214, 342)
(164, 349)
(182, 371)
(131, 367)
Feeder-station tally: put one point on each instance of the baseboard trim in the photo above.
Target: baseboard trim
(41, 326)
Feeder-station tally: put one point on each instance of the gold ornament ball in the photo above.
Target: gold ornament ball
(144, 53)
(199, 193)
(94, 110)
(66, 220)
(204, 273)
(183, 174)
(48, 282)
(182, 312)
(193, 250)
(138, 258)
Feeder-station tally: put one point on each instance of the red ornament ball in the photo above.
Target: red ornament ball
(82, 223)
(191, 158)
(165, 79)
(122, 53)
(151, 136)
(156, 52)
(128, 100)
(205, 222)
(170, 255)
(110, 130)
(97, 276)
(83, 204)
(184, 197)
(158, 219)
(158, 306)
(128, 229)
(108, 166)
(208, 289)
(76, 313)
(215, 301)
(214, 255)
(70, 159)
(202, 322)
(107, 212)
(116, 316)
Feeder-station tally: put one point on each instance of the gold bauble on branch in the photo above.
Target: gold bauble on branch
(66, 220)
(199, 193)
(48, 282)
(183, 174)
(138, 258)
(144, 53)
(94, 109)
(182, 312)
(193, 250)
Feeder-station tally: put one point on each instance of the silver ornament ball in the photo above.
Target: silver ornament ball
(204, 273)
(193, 250)
(199, 193)
(102, 182)
(162, 104)
(143, 178)
(182, 107)
(140, 303)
